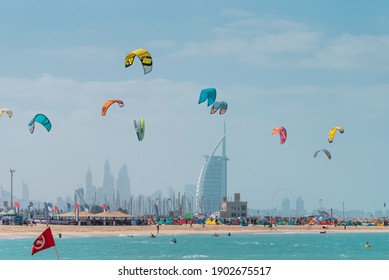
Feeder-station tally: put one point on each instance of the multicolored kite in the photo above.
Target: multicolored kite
(222, 105)
(140, 128)
(283, 134)
(144, 57)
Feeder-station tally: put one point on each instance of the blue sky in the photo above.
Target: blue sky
(302, 65)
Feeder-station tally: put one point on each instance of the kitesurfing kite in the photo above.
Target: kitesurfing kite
(42, 119)
(109, 103)
(222, 105)
(140, 128)
(283, 134)
(331, 133)
(324, 151)
(208, 93)
(6, 110)
(144, 57)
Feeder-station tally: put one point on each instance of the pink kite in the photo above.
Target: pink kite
(282, 131)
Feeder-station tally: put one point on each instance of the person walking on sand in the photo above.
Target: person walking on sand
(157, 228)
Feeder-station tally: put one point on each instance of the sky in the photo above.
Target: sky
(305, 65)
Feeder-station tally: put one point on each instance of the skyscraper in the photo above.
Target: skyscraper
(123, 186)
(212, 182)
(300, 206)
(285, 211)
(90, 190)
(108, 187)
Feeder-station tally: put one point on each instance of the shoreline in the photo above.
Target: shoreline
(12, 232)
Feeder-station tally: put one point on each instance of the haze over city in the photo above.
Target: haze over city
(275, 63)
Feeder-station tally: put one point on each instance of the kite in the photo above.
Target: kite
(42, 119)
(324, 151)
(144, 57)
(207, 93)
(283, 134)
(109, 103)
(331, 133)
(222, 105)
(140, 128)
(6, 110)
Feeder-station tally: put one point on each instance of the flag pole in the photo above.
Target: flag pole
(56, 252)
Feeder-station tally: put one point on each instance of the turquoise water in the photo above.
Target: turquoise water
(280, 246)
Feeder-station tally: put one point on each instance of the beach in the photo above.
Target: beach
(17, 231)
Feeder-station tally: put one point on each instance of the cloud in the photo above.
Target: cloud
(161, 43)
(80, 52)
(234, 12)
(273, 42)
(350, 52)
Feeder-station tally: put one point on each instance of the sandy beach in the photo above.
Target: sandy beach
(12, 231)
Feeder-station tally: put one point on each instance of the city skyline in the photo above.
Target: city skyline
(280, 197)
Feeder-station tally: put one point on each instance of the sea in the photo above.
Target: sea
(242, 246)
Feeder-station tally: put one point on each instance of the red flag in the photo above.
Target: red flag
(76, 206)
(44, 241)
(16, 204)
(104, 206)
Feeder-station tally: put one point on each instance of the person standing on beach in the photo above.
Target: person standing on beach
(157, 228)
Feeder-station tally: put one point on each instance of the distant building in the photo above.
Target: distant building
(212, 182)
(90, 189)
(300, 206)
(123, 187)
(108, 187)
(285, 210)
(233, 209)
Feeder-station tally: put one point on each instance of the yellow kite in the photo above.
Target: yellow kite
(144, 57)
(331, 133)
(6, 110)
